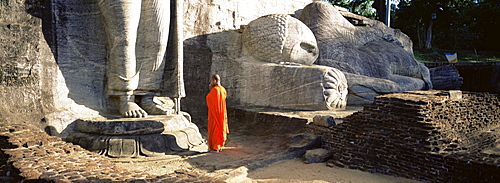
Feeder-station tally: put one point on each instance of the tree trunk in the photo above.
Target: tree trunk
(419, 36)
(428, 37)
(379, 6)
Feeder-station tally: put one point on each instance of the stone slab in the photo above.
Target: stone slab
(125, 146)
(116, 125)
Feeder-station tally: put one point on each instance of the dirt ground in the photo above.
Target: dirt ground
(297, 171)
(246, 159)
(257, 157)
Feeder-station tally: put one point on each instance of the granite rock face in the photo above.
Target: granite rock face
(21, 42)
(205, 19)
(364, 51)
(33, 87)
(54, 68)
(268, 63)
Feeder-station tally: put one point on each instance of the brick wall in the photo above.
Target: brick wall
(425, 135)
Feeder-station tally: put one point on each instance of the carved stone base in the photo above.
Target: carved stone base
(133, 137)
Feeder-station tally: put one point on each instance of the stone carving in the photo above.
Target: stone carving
(134, 137)
(138, 34)
(67, 64)
(280, 38)
(375, 59)
(269, 64)
(446, 77)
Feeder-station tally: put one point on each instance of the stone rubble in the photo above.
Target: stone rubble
(318, 155)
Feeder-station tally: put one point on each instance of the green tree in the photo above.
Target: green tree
(360, 7)
(417, 18)
(457, 24)
(486, 24)
(379, 6)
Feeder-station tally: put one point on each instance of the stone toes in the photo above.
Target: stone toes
(143, 113)
(129, 114)
(135, 114)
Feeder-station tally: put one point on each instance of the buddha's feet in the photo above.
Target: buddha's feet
(335, 89)
(153, 107)
(129, 109)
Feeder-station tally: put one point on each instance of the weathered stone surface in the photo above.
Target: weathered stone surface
(325, 121)
(43, 101)
(446, 77)
(154, 124)
(202, 20)
(363, 94)
(374, 50)
(21, 72)
(288, 85)
(53, 72)
(135, 137)
(280, 38)
(144, 38)
(319, 155)
(454, 94)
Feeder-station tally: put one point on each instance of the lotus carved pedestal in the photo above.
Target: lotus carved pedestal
(154, 135)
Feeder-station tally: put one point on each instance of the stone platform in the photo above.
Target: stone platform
(154, 135)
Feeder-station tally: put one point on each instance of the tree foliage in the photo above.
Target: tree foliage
(459, 24)
(360, 7)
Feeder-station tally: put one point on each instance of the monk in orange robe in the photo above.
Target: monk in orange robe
(217, 116)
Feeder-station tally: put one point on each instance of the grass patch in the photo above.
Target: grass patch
(464, 56)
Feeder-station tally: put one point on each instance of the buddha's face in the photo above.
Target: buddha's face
(280, 38)
(300, 44)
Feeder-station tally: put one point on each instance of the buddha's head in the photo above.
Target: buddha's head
(280, 38)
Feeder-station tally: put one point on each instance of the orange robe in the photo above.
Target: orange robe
(217, 117)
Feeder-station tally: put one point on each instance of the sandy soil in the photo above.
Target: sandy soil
(294, 171)
(231, 165)
(297, 171)
(246, 158)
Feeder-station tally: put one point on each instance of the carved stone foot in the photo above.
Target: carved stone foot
(155, 107)
(129, 109)
(335, 89)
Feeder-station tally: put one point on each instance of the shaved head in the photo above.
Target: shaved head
(215, 77)
(214, 80)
